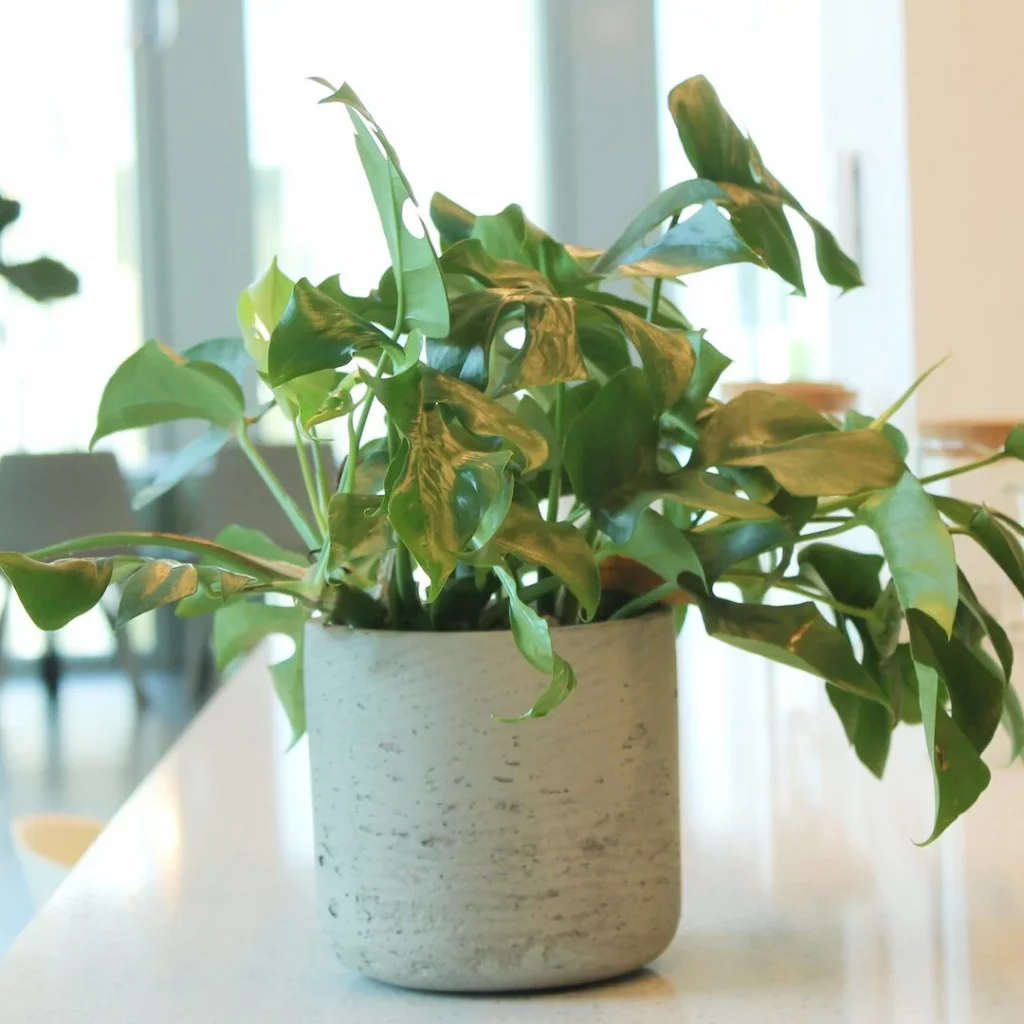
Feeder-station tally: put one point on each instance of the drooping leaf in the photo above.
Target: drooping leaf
(217, 587)
(156, 385)
(1013, 722)
(533, 639)
(199, 450)
(425, 301)
(469, 257)
(253, 542)
(704, 240)
(718, 151)
(917, 548)
(550, 353)
(960, 774)
(858, 421)
(661, 547)
(795, 635)
(868, 727)
(710, 365)
(803, 450)
(316, 333)
(357, 527)
(155, 583)
(852, 577)
(987, 624)
(54, 593)
(559, 547)
(454, 223)
(880, 421)
(475, 318)
(732, 542)
(990, 533)
(239, 627)
(260, 308)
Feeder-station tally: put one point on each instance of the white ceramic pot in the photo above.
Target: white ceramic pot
(460, 853)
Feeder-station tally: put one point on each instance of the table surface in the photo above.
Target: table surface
(804, 896)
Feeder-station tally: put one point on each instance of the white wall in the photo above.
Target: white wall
(965, 90)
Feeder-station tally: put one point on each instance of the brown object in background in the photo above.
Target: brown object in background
(826, 397)
(966, 436)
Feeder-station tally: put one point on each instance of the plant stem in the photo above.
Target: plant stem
(355, 435)
(967, 467)
(555, 484)
(638, 604)
(402, 578)
(833, 532)
(227, 557)
(795, 588)
(323, 482)
(312, 493)
(652, 306)
(284, 499)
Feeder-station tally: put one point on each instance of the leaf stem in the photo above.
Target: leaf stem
(323, 482)
(795, 588)
(284, 499)
(967, 467)
(227, 557)
(307, 479)
(402, 577)
(638, 604)
(652, 306)
(355, 435)
(555, 484)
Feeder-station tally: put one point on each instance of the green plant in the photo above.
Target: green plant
(552, 455)
(40, 279)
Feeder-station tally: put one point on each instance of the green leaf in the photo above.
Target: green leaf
(156, 385)
(259, 545)
(718, 151)
(868, 727)
(880, 421)
(425, 301)
(441, 493)
(356, 526)
(469, 257)
(217, 587)
(54, 593)
(918, 549)
(989, 627)
(454, 223)
(710, 365)
(228, 353)
(200, 449)
(960, 774)
(852, 577)
(316, 333)
(1014, 444)
(1013, 722)
(858, 421)
(559, 547)
(666, 353)
(733, 542)
(795, 635)
(533, 639)
(991, 534)
(475, 318)
(662, 547)
(238, 628)
(510, 236)
(289, 685)
(260, 308)
(802, 449)
(155, 583)
(670, 202)
(610, 453)
(704, 240)
(41, 279)
(10, 211)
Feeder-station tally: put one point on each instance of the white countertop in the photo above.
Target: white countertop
(804, 897)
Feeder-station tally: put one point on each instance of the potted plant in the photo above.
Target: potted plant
(554, 477)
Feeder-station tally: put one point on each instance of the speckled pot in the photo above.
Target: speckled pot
(460, 853)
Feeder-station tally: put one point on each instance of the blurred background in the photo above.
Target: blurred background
(166, 150)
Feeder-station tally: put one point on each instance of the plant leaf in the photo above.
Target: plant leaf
(316, 333)
(990, 533)
(917, 548)
(710, 365)
(238, 628)
(1014, 443)
(156, 385)
(155, 583)
(54, 593)
(533, 639)
(199, 450)
(550, 353)
(960, 774)
(852, 577)
(880, 421)
(41, 279)
(469, 257)
(412, 255)
(796, 635)
(858, 421)
(704, 240)
(259, 545)
(733, 542)
(868, 727)
(660, 546)
(260, 308)
(356, 526)
(717, 150)
(559, 547)
(997, 636)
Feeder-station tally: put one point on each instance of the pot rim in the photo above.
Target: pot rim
(316, 621)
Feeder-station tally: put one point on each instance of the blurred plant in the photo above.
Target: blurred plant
(40, 279)
(552, 456)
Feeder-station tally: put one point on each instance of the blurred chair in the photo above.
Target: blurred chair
(232, 493)
(53, 497)
(48, 846)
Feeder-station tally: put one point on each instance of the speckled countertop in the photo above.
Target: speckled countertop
(804, 897)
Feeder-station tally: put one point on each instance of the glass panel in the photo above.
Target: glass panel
(68, 156)
(769, 78)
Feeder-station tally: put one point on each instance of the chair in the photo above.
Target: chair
(52, 497)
